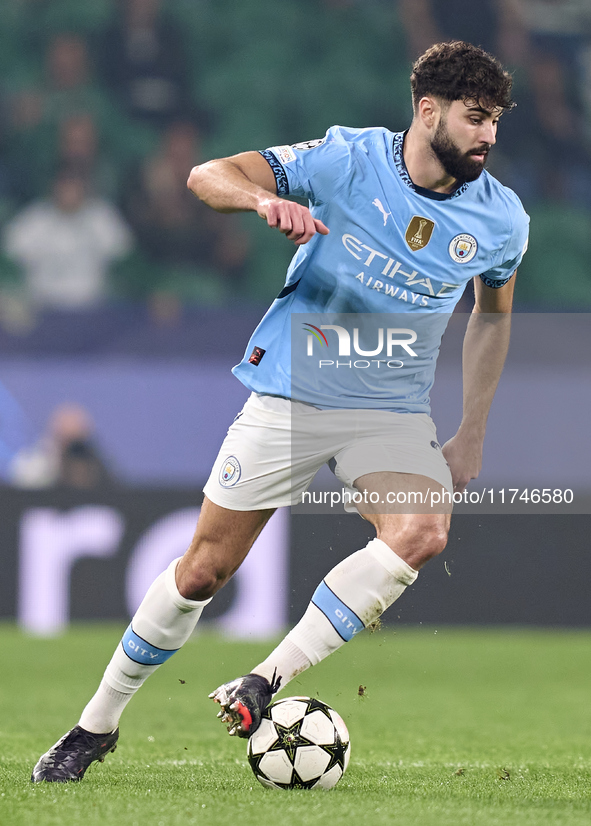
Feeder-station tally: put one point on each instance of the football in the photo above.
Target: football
(301, 743)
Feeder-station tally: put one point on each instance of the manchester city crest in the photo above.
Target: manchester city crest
(463, 248)
(230, 472)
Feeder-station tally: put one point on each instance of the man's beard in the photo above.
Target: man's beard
(460, 165)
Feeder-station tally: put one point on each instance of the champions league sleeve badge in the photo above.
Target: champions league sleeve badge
(304, 145)
(463, 248)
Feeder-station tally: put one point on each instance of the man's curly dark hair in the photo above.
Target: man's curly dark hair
(460, 71)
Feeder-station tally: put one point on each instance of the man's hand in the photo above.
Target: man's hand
(464, 457)
(293, 220)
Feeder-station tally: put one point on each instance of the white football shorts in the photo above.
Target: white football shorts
(275, 447)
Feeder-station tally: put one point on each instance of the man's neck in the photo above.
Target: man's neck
(424, 167)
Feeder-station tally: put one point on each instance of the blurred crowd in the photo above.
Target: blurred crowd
(101, 127)
(105, 107)
(65, 456)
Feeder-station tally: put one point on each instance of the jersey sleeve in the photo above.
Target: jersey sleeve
(314, 169)
(512, 252)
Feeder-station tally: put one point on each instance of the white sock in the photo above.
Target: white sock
(351, 596)
(162, 624)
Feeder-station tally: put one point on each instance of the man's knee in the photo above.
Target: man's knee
(433, 540)
(419, 540)
(200, 579)
(221, 541)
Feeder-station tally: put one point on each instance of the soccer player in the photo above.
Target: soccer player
(397, 223)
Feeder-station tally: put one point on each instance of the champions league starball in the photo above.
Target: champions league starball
(301, 743)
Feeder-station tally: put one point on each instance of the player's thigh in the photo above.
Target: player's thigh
(221, 541)
(390, 492)
(413, 530)
(395, 465)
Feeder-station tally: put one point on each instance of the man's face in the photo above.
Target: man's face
(465, 133)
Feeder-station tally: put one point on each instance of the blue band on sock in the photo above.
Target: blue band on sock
(345, 621)
(142, 652)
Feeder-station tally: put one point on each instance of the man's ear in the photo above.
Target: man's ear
(429, 111)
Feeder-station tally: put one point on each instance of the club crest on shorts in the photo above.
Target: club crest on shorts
(463, 248)
(230, 472)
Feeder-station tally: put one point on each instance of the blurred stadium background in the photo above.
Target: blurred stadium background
(124, 302)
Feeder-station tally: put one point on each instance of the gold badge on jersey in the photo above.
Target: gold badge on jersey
(418, 232)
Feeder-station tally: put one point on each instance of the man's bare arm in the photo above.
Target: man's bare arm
(245, 183)
(485, 348)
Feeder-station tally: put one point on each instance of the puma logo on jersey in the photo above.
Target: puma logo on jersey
(377, 203)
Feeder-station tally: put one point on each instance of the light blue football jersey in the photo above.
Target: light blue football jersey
(394, 249)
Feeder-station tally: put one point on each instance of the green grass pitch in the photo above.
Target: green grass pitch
(474, 727)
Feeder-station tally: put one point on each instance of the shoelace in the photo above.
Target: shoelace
(82, 740)
(275, 682)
